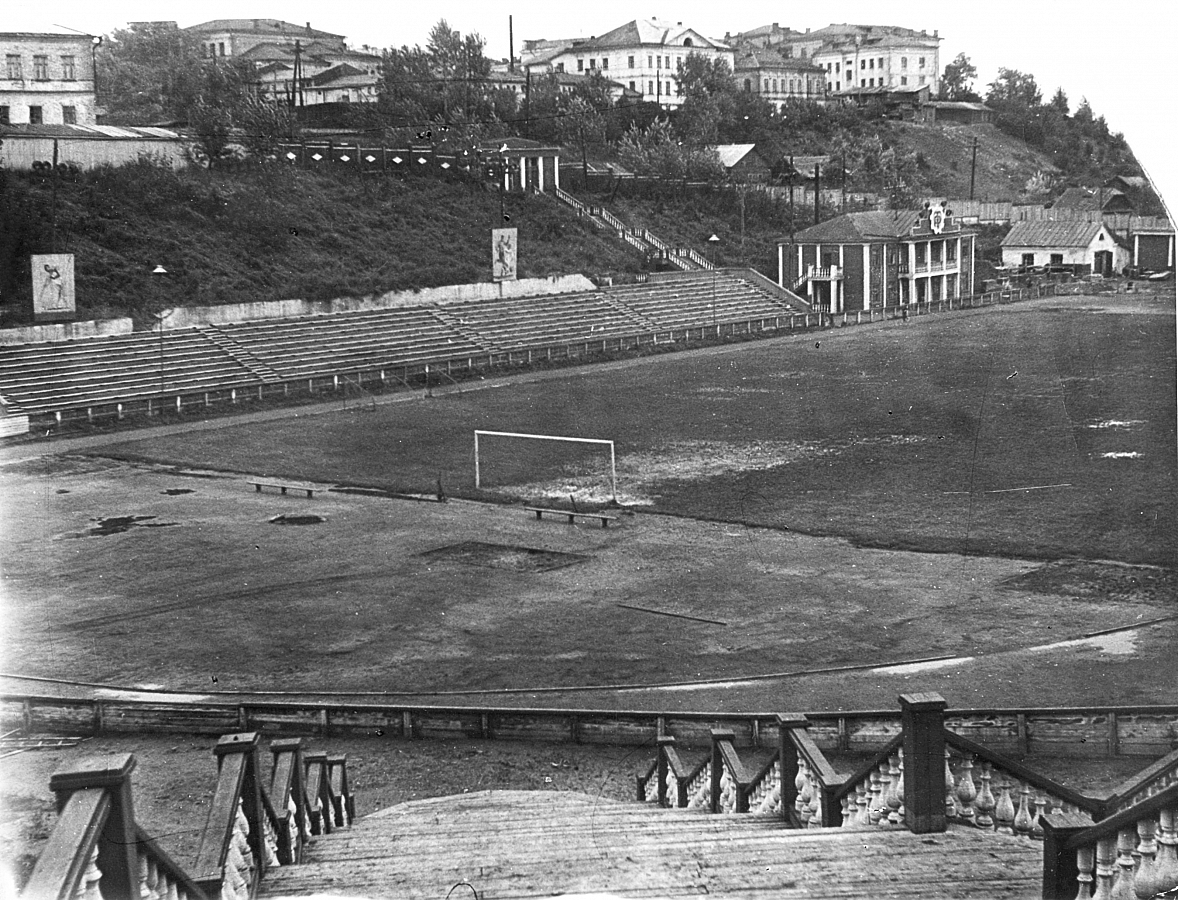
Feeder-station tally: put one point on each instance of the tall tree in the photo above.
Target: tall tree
(957, 82)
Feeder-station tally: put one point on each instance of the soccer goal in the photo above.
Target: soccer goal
(509, 454)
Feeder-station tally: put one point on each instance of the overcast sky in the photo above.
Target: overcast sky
(1117, 55)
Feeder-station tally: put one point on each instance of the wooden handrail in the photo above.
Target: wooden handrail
(71, 854)
(238, 789)
(1128, 816)
(287, 779)
(1094, 806)
(319, 793)
(1126, 792)
(341, 789)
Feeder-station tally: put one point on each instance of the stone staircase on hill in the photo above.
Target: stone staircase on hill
(539, 843)
(683, 258)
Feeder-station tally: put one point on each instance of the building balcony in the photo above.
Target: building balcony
(824, 273)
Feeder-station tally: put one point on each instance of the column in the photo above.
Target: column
(523, 175)
(922, 718)
(540, 173)
(866, 303)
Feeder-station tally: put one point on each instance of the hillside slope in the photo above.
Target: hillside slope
(255, 236)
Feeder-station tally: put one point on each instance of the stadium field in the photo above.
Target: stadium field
(788, 507)
(1040, 430)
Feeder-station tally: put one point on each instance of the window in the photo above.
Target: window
(846, 64)
(1057, 259)
(36, 115)
(881, 62)
(828, 69)
(863, 82)
(14, 72)
(592, 63)
(560, 67)
(903, 79)
(69, 115)
(903, 62)
(871, 63)
(632, 85)
(649, 62)
(775, 85)
(863, 65)
(68, 70)
(580, 65)
(220, 48)
(40, 68)
(766, 85)
(687, 42)
(1028, 259)
(650, 87)
(748, 86)
(871, 82)
(605, 62)
(630, 64)
(951, 251)
(922, 79)
(922, 62)
(4, 118)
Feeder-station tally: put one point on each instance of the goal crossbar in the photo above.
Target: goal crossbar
(613, 465)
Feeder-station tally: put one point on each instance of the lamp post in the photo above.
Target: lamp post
(713, 241)
(160, 274)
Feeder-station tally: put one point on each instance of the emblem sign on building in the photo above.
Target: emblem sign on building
(936, 218)
(53, 287)
(504, 253)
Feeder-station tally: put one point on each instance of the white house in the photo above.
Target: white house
(1087, 246)
(643, 55)
(47, 79)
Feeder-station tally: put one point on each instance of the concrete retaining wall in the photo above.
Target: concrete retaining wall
(64, 331)
(188, 316)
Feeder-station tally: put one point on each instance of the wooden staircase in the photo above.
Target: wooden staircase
(515, 844)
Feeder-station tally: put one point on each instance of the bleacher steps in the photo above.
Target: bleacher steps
(263, 370)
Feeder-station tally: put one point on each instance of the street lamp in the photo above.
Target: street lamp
(160, 272)
(713, 240)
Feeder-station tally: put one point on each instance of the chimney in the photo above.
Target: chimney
(936, 33)
(308, 28)
(807, 31)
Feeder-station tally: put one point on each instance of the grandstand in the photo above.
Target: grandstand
(112, 376)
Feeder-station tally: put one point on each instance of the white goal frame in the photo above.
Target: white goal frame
(613, 463)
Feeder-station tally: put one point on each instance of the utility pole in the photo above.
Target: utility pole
(791, 192)
(973, 167)
(528, 101)
(510, 47)
(844, 166)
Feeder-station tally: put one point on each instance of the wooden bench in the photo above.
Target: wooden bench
(258, 485)
(601, 517)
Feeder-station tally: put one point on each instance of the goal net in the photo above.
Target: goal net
(546, 465)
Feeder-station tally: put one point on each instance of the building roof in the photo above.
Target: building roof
(73, 37)
(805, 165)
(262, 26)
(1068, 233)
(846, 30)
(861, 226)
(766, 58)
(881, 90)
(648, 31)
(1084, 198)
(88, 132)
(342, 75)
(959, 104)
(731, 154)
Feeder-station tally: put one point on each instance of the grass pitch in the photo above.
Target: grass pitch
(1042, 430)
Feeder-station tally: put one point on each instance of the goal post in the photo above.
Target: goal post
(613, 463)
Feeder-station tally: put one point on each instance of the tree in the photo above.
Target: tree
(709, 104)
(957, 82)
(149, 72)
(1014, 90)
(656, 150)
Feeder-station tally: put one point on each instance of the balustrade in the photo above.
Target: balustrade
(989, 791)
(1132, 855)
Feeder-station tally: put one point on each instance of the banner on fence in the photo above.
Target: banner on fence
(53, 287)
(504, 253)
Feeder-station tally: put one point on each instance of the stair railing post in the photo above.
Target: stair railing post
(719, 735)
(246, 744)
(118, 850)
(922, 718)
(664, 742)
(1060, 869)
(787, 755)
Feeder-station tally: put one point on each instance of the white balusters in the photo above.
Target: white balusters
(1126, 844)
(984, 803)
(899, 820)
(1085, 858)
(650, 790)
(1166, 862)
(148, 878)
(672, 788)
(1147, 850)
(1106, 868)
(699, 791)
(292, 828)
(863, 803)
(727, 802)
(238, 873)
(875, 806)
(967, 792)
(1004, 810)
(1036, 822)
(950, 788)
(1022, 818)
(269, 840)
(87, 888)
(893, 799)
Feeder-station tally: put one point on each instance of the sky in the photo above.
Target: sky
(1116, 55)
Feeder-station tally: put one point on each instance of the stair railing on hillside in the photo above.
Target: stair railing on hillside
(572, 201)
(1132, 854)
(1145, 784)
(697, 258)
(96, 849)
(1007, 797)
(668, 781)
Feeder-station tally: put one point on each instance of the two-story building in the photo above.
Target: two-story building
(872, 260)
(644, 55)
(776, 78)
(864, 56)
(47, 79)
(233, 37)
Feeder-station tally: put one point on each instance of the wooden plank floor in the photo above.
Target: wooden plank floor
(517, 844)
